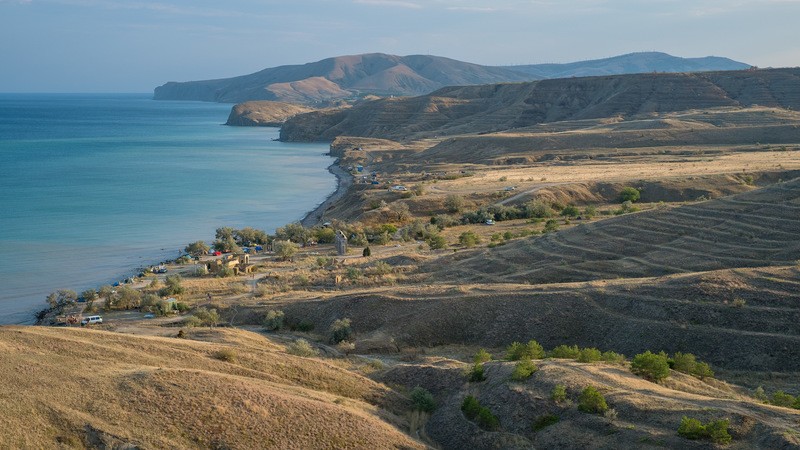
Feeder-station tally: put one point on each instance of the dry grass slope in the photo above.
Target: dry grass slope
(83, 388)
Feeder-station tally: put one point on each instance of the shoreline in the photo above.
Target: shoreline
(343, 183)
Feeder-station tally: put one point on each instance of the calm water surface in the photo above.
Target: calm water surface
(93, 186)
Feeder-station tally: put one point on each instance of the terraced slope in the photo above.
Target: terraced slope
(500, 107)
(80, 388)
(754, 229)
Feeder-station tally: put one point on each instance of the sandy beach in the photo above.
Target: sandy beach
(343, 182)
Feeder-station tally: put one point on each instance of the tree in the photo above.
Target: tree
(294, 232)
(482, 356)
(422, 399)
(592, 401)
(469, 239)
(172, 286)
(341, 331)
(366, 253)
(197, 248)
(589, 355)
(436, 241)
(559, 393)
(570, 211)
(453, 203)
(250, 236)
(208, 317)
(654, 367)
(89, 295)
(550, 226)
(517, 351)
(128, 298)
(62, 297)
(273, 320)
(285, 249)
(523, 370)
(629, 194)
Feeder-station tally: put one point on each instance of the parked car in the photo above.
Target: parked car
(90, 320)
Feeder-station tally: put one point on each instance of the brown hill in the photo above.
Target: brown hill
(717, 278)
(79, 388)
(341, 77)
(502, 107)
(263, 113)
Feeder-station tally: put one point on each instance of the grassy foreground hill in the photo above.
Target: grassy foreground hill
(72, 388)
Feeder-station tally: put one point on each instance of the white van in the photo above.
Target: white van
(91, 320)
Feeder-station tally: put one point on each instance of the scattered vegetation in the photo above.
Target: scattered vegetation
(422, 399)
(715, 430)
(475, 374)
(523, 369)
(273, 320)
(482, 356)
(565, 351)
(559, 393)
(517, 351)
(481, 415)
(654, 367)
(302, 347)
(341, 331)
(592, 401)
(589, 355)
(544, 421)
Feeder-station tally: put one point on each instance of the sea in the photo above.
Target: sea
(95, 186)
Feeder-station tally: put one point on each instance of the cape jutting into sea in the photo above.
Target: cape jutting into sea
(94, 186)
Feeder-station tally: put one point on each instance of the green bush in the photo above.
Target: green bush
(469, 239)
(613, 357)
(545, 421)
(780, 398)
(715, 430)
(476, 373)
(523, 370)
(487, 420)
(592, 401)
(565, 351)
(570, 211)
(470, 407)
(589, 355)
(531, 350)
(654, 367)
(436, 241)
(691, 428)
(629, 194)
(226, 354)
(301, 347)
(482, 356)
(273, 320)
(550, 226)
(341, 331)
(687, 363)
(422, 399)
(559, 393)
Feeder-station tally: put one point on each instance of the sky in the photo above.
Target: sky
(136, 45)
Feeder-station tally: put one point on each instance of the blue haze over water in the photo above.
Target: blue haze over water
(94, 186)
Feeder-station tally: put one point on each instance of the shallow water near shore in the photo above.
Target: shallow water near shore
(94, 186)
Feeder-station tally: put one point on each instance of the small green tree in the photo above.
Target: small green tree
(570, 211)
(172, 286)
(482, 356)
(62, 297)
(592, 401)
(207, 317)
(487, 420)
(422, 399)
(523, 369)
(550, 226)
(654, 367)
(559, 393)
(476, 374)
(718, 431)
(436, 241)
(469, 239)
(691, 428)
(341, 331)
(470, 407)
(531, 350)
(273, 320)
(566, 352)
(89, 295)
(613, 357)
(589, 355)
(301, 347)
(197, 248)
(780, 398)
(629, 194)
(453, 203)
(545, 421)
(285, 249)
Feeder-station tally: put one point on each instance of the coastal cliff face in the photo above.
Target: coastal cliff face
(263, 113)
(501, 107)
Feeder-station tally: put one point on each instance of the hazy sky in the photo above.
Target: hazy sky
(133, 46)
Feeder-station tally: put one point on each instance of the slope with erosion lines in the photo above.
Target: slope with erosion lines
(753, 229)
(500, 107)
(110, 390)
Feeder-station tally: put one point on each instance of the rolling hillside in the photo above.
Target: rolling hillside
(341, 77)
(642, 62)
(503, 107)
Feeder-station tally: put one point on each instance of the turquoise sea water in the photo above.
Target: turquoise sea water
(93, 186)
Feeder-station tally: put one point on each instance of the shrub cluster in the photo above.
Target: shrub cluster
(559, 393)
(780, 398)
(592, 401)
(475, 374)
(517, 351)
(482, 356)
(687, 363)
(715, 430)
(479, 414)
(653, 366)
(545, 421)
(523, 370)
(273, 320)
(341, 331)
(422, 399)
(301, 347)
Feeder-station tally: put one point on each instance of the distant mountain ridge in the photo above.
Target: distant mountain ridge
(641, 62)
(342, 77)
